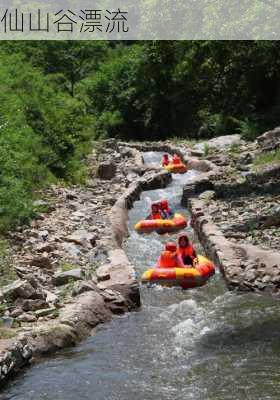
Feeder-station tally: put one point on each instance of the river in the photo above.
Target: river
(202, 344)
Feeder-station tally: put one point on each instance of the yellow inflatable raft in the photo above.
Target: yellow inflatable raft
(187, 278)
(176, 168)
(175, 224)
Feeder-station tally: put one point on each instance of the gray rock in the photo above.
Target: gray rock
(51, 298)
(38, 203)
(44, 312)
(221, 142)
(33, 305)
(81, 287)
(246, 158)
(77, 215)
(270, 140)
(71, 249)
(45, 247)
(62, 278)
(7, 322)
(106, 170)
(41, 262)
(207, 195)
(102, 273)
(237, 203)
(82, 237)
(43, 234)
(16, 312)
(243, 168)
(19, 288)
(27, 317)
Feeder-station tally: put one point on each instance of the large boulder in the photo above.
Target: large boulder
(220, 142)
(62, 278)
(34, 305)
(83, 286)
(41, 262)
(18, 289)
(200, 165)
(85, 313)
(82, 237)
(196, 186)
(270, 140)
(106, 170)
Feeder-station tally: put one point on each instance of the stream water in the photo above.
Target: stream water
(203, 344)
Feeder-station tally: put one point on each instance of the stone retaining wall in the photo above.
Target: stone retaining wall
(119, 214)
(263, 182)
(245, 267)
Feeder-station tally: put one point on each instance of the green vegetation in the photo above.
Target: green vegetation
(67, 267)
(58, 97)
(7, 273)
(234, 148)
(206, 149)
(2, 310)
(268, 158)
(7, 333)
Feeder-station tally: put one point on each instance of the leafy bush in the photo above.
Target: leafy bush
(247, 128)
(44, 134)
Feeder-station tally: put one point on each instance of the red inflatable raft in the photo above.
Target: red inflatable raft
(162, 225)
(187, 278)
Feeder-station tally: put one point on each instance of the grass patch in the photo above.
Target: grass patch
(67, 267)
(7, 333)
(234, 148)
(7, 273)
(271, 157)
(206, 149)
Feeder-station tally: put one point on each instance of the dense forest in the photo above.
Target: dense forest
(57, 97)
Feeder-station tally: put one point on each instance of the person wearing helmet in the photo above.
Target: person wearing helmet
(165, 160)
(176, 159)
(169, 257)
(155, 212)
(186, 250)
(166, 210)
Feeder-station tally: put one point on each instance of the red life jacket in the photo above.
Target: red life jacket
(165, 162)
(168, 260)
(186, 251)
(155, 216)
(177, 160)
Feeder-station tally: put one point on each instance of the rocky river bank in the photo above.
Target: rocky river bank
(70, 272)
(235, 210)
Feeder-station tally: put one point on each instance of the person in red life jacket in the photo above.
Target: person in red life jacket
(166, 210)
(169, 257)
(155, 212)
(165, 160)
(186, 250)
(176, 159)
